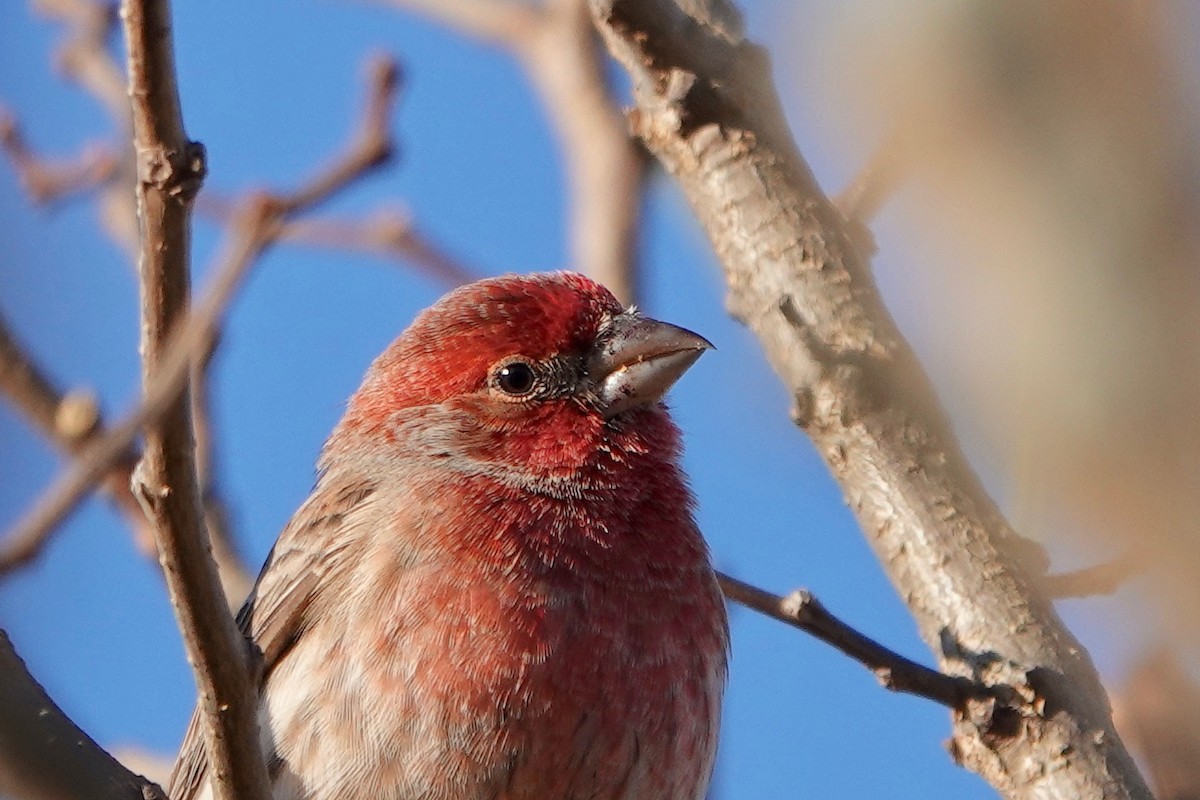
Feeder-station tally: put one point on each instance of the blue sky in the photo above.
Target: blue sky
(272, 93)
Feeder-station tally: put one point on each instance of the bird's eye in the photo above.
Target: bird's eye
(515, 378)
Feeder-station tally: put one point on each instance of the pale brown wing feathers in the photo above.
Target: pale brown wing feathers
(275, 612)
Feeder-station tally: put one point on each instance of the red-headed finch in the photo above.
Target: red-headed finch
(496, 590)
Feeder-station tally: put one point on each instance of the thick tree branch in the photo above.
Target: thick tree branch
(706, 107)
(44, 755)
(802, 610)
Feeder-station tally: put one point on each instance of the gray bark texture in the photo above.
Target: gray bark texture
(705, 105)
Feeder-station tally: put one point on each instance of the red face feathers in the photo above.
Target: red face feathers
(537, 369)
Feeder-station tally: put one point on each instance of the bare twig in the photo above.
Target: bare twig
(508, 23)
(170, 170)
(877, 181)
(864, 197)
(85, 58)
(389, 233)
(44, 755)
(802, 610)
(71, 421)
(372, 145)
(236, 580)
(557, 46)
(32, 391)
(259, 222)
(1098, 579)
(51, 181)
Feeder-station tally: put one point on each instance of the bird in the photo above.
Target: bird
(497, 588)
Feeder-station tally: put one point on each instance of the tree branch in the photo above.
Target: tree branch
(508, 23)
(802, 610)
(1103, 578)
(49, 181)
(236, 580)
(72, 422)
(258, 223)
(389, 233)
(44, 755)
(706, 107)
(170, 170)
(866, 193)
(556, 44)
(84, 58)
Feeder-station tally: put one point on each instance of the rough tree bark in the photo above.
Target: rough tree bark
(706, 107)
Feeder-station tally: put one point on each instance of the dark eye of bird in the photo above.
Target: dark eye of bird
(516, 378)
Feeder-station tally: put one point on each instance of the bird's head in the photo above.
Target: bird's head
(537, 369)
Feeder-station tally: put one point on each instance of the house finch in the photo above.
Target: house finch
(497, 588)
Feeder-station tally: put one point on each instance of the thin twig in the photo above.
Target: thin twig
(802, 610)
(169, 175)
(49, 181)
(874, 184)
(557, 45)
(236, 580)
(25, 384)
(506, 22)
(258, 223)
(372, 145)
(71, 421)
(866, 193)
(389, 233)
(1090, 581)
(85, 57)
(170, 170)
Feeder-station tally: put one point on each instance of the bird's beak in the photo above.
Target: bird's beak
(637, 359)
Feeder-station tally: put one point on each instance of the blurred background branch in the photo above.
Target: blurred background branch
(557, 45)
